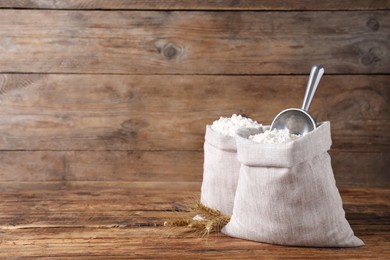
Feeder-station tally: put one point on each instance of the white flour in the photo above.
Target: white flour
(273, 137)
(229, 125)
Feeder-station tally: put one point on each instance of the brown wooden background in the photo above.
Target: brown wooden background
(107, 91)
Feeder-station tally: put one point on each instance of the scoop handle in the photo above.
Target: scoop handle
(315, 75)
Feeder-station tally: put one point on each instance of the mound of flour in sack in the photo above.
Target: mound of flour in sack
(273, 137)
(229, 125)
(221, 167)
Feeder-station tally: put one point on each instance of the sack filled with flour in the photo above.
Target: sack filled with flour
(221, 167)
(287, 193)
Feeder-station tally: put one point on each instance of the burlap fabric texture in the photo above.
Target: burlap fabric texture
(220, 171)
(287, 194)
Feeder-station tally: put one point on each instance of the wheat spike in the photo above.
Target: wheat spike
(213, 221)
(177, 222)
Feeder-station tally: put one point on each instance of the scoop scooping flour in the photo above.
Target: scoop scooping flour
(229, 125)
(274, 137)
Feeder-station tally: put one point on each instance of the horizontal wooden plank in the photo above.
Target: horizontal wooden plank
(101, 166)
(83, 223)
(150, 42)
(350, 168)
(361, 169)
(199, 4)
(91, 207)
(170, 112)
(157, 243)
(179, 191)
(95, 206)
(190, 186)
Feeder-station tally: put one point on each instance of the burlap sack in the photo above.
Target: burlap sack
(287, 194)
(220, 171)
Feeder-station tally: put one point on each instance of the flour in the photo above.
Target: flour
(273, 137)
(229, 125)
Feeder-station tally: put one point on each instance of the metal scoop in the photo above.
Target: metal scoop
(299, 121)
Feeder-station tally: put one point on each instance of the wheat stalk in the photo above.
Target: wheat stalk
(213, 220)
(177, 222)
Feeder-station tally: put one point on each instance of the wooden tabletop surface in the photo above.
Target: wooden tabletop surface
(118, 220)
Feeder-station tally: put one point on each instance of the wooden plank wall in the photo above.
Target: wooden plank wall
(98, 90)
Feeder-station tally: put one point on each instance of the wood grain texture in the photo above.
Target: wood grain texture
(102, 117)
(148, 242)
(15, 186)
(350, 168)
(126, 42)
(199, 4)
(101, 166)
(117, 112)
(86, 223)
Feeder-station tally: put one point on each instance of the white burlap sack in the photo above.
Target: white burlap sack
(287, 194)
(220, 171)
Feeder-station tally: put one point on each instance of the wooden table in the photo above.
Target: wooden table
(119, 220)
